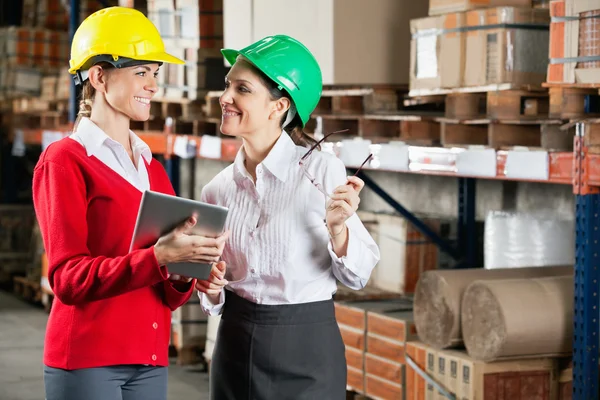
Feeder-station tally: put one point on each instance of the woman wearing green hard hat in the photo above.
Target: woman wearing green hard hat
(294, 233)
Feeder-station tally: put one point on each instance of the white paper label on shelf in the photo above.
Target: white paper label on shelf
(184, 147)
(354, 151)
(210, 147)
(391, 156)
(49, 137)
(527, 165)
(18, 148)
(476, 162)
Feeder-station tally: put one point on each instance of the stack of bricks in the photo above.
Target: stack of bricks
(374, 332)
(385, 363)
(54, 14)
(574, 34)
(27, 54)
(193, 31)
(39, 47)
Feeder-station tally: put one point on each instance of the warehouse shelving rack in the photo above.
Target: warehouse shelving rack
(581, 169)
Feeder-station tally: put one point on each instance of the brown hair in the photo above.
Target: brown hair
(87, 97)
(85, 102)
(294, 128)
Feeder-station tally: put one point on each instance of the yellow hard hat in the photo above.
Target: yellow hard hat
(121, 36)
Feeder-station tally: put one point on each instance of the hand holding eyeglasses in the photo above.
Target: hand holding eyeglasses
(342, 203)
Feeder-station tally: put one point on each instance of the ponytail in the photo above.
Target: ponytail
(85, 102)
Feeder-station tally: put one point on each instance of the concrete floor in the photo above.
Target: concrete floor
(22, 329)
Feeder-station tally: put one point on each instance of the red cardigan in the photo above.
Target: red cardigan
(111, 307)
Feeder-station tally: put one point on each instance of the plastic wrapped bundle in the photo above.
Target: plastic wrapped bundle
(517, 239)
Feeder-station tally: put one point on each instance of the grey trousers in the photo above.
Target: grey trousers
(122, 382)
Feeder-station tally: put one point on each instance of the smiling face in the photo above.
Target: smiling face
(129, 90)
(247, 104)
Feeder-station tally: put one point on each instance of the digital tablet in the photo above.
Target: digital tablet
(160, 213)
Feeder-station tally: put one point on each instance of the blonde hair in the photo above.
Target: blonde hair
(85, 102)
(87, 97)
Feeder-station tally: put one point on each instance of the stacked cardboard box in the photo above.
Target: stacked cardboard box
(27, 54)
(44, 49)
(438, 7)
(468, 379)
(192, 31)
(54, 14)
(574, 45)
(405, 252)
(480, 47)
(355, 42)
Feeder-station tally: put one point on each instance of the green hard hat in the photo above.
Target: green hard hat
(290, 64)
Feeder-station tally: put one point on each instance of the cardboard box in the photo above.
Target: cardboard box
(508, 380)
(415, 384)
(506, 45)
(54, 15)
(431, 369)
(33, 47)
(473, 380)
(405, 251)
(204, 70)
(573, 34)
(188, 24)
(437, 52)
(48, 92)
(19, 81)
(380, 389)
(384, 369)
(353, 41)
(438, 7)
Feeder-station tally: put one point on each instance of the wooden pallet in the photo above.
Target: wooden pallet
(411, 128)
(351, 395)
(27, 289)
(504, 133)
(574, 102)
(339, 100)
(177, 108)
(493, 101)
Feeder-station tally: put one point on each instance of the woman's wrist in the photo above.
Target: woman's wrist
(336, 231)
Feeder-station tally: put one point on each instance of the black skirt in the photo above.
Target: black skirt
(277, 352)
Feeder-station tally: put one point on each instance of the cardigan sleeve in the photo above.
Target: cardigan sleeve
(60, 202)
(176, 294)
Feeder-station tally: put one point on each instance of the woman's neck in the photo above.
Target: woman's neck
(257, 147)
(112, 122)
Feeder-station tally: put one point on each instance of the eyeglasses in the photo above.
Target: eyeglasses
(313, 180)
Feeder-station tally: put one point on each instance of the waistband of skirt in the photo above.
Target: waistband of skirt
(285, 314)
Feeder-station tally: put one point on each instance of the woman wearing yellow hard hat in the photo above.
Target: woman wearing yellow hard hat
(294, 233)
(108, 332)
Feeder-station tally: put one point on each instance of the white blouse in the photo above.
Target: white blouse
(279, 250)
(97, 143)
